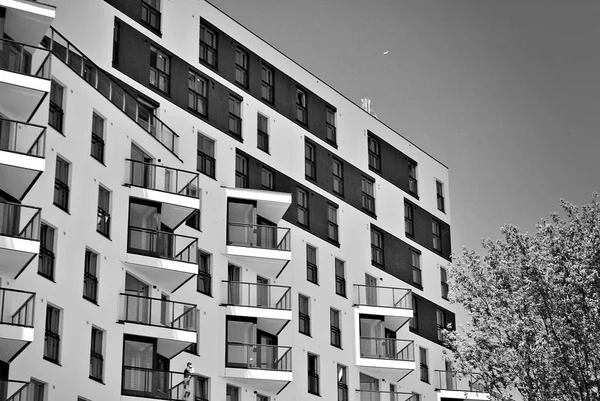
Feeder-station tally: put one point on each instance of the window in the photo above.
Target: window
(342, 383)
(444, 282)
(103, 223)
(97, 151)
(160, 70)
(202, 389)
(376, 247)
(368, 195)
(197, 88)
(304, 314)
(313, 374)
(340, 277)
(312, 272)
(409, 226)
(194, 220)
(61, 184)
(235, 116)
(46, 258)
(330, 123)
(415, 397)
(415, 257)
(310, 160)
(151, 14)
(208, 46)
(414, 322)
(206, 156)
(96, 355)
(116, 40)
(241, 67)
(301, 113)
(263, 133)
(332, 222)
(204, 273)
(336, 332)
(233, 393)
(90, 276)
(56, 114)
(436, 228)
(260, 397)
(440, 318)
(303, 212)
(146, 115)
(266, 179)
(338, 177)
(241, 171)
(267, 77)
(52, 336)
(38, 389)
(374, 153)
(412, 177)
(424, 365)
(439, 189)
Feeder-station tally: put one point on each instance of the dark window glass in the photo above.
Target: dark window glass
(424, 367)
(263, 133)
(241, 67)
(61, 184)
(313, 374)
(267, 84)
(266, 179)
(197, 89)
(409, 225)
(241, 171)
(336, 332)
(90, 276)
(56, 114)
(301, 111)
(202, 389)
(97, 151)
(342, 383)
(331, 135)
(376, 247)
(235, 116)
(206, 156)
(440, 318)
(96, 355)
(52, 336)
(233, 393)
(303, 314)
(208, 46)
(340, 277)
(414, 322)
(38, 389)
(46, 258)
(416, 267)
(303, 211)
(204, 274)
(151, 14)
(310, 160)
(412, 177)
(374, 153)
(160, 70)
(332, 223)
(436, 229)
(439, 189)
(116, 40)
(444, 282)
(103, 223)
(338, 177)
(367, 195)
(312, 272)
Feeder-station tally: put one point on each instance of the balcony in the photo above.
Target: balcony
(24, 78)
(27, 21)
(388, 358)
(22, 149)
(460, 386)
(164, 258)
(16, 322)
(395, 304)
(15, 390)
(19, 237)
(172, 323)
(139, 382)
(177, 190)
(269, 204)
(264, 367)
(373, 395)
(270, 304)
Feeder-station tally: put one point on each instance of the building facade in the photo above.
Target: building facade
(175, 190)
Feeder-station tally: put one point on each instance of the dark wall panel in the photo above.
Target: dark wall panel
(396, 257)
(424, 231)
(131, 8)
(394, 165)
(427, 320)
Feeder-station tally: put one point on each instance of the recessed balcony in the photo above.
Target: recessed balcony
(164, 258)
(374, 395)
(19, 237)
(270, 304)
(27, 21)
(16, 322)
(388, 358)
(269, 204)
(172, 323)
(22, 150)
(460, 386)
(142, 383)
(395, 304)
(24, 78)
(15, 390)
(177, 190)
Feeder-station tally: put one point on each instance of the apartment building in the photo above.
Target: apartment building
(174, 190)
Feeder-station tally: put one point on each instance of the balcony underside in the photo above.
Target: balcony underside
(391, 370)
(27, 21)
(394, 318)
(170, 341)
(270, 205)
(13, 339)
(443, 395)
(269, 262)
(19, 172)
(16, 254)
(270, 320)
(175, 208)
(167, 274)
(21, 94)
(267, 381)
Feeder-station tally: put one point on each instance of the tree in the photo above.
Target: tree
(534, 305)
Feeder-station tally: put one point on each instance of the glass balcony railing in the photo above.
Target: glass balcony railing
(16, 307)
(387, 297)
(162, 178)
(460, 381)
(15, 390)
(158, 312)
(375, 395)
(111, 89)
(24, 59)
(20, 221)
(259, 356)
(155, 384)
(387, 348)
(258, 295)
(23, 138)
(258, 236)
(159, 244)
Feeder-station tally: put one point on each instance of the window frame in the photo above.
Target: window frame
(262, 134)
(242, 172)
(38, 390)
(198, 98)
(61, 184)
(269, 173)
(90, 275)
(338, 176)
(50, 333)
(207, 48)
(413, 183)
(235, 116)
(164, 73)
(436, 223)
(304, 314)
(313, 371)
(335, 328)
(301, 106)
(440, 323)
(368, 199)
(241, 68)
(207, 161)
(374, 153)
(441, 200)
(414, 321)
(104, 217)
(303, 207)
(377, 249)
(312, 267)
(310, 160)
(332, 224)
(151, 11)
(416, 268)
(342, 381)
(98, 145)
(47, 254)
(97, 354)
(330, 126)
(204, 276)
(444, 283)
(409, 219)
(267, 86)
(340, 280)
(56, 106)
(203, 389)
(423, 365)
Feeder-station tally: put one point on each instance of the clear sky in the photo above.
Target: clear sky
(504, 92)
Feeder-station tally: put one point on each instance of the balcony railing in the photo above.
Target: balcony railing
(156, 384)
(373, 395)
(388, 297)
(15, 390)
(159, 244)
(162, 178)
(111, 89)
(259, 356)
(24, 59)
(158, 312)
(387, 348)
(460, 381)
(258, 236)
(258, 295)
(20, 221)
(23, 138)
(16, 307)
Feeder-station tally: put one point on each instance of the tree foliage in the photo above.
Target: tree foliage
(534, 304)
